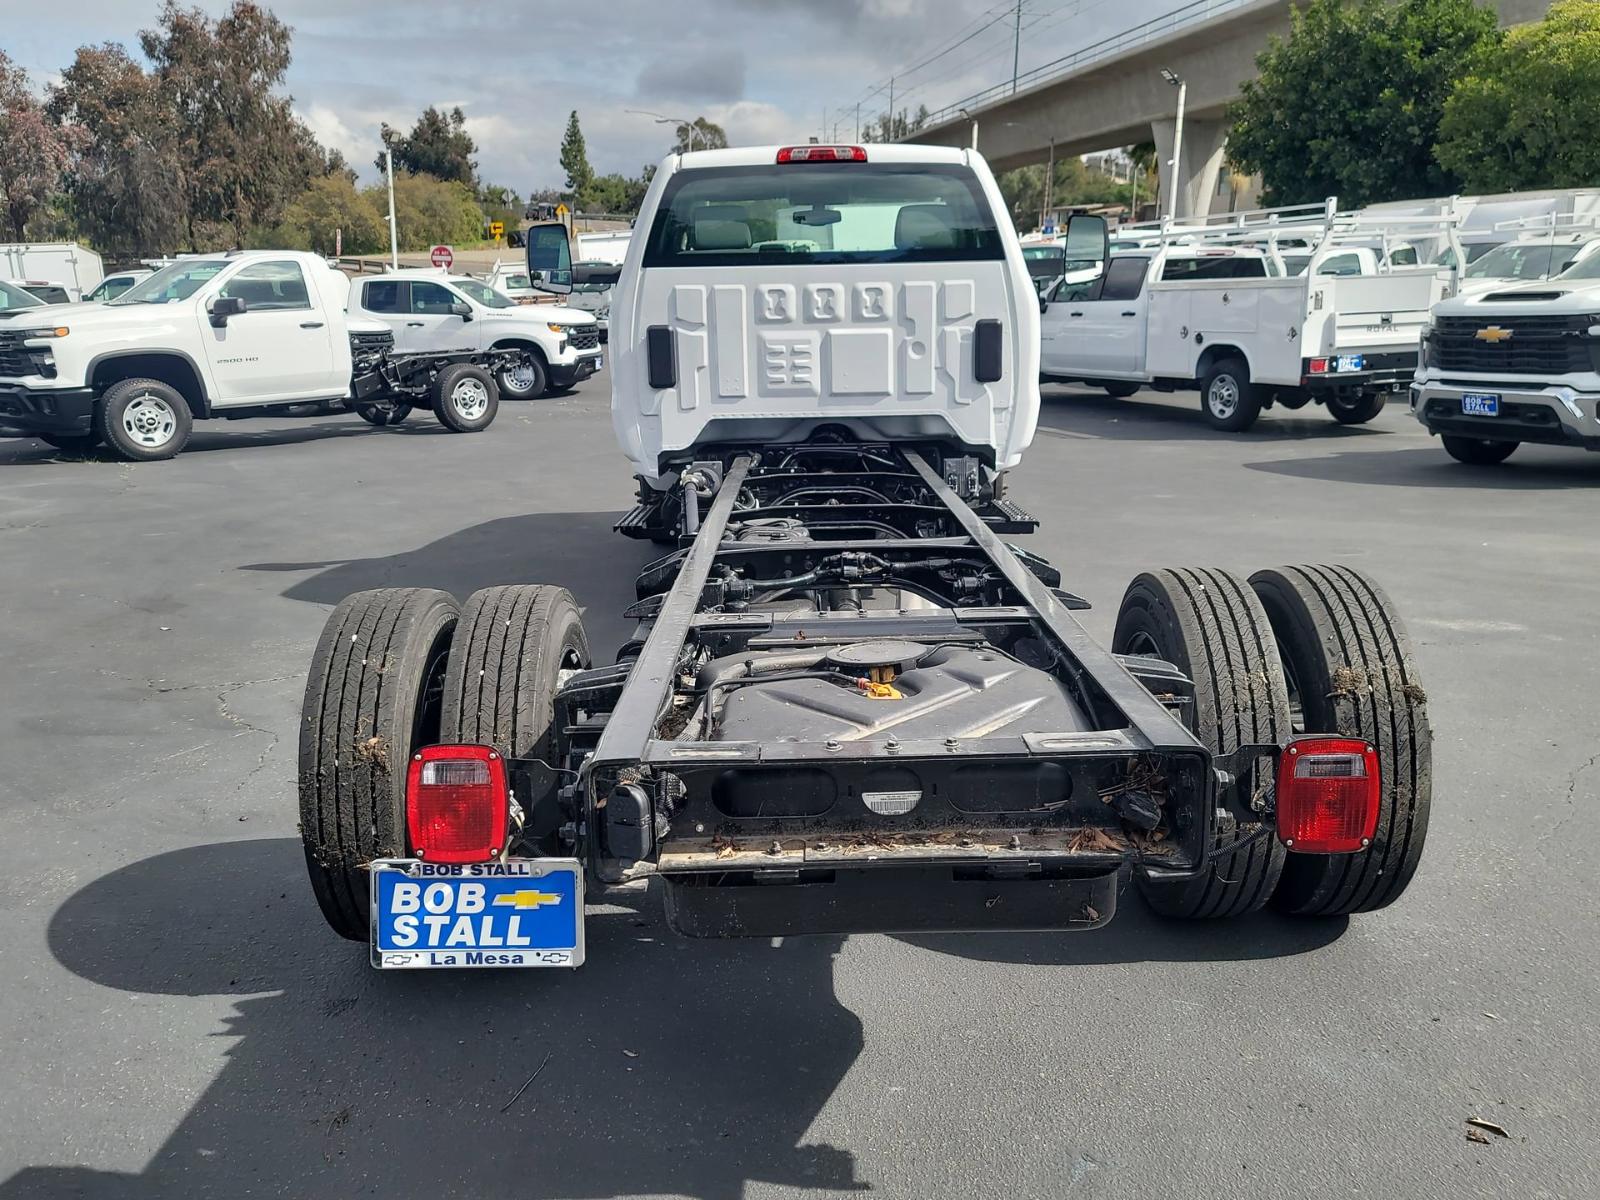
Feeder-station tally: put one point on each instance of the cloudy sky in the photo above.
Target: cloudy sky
(766, 70)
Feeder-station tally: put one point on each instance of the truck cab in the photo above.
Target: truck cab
(430, 310)
(769, 293)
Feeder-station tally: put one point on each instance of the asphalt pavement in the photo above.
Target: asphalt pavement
(179, 1022)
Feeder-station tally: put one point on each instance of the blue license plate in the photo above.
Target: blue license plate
(520, 913)
(1350, 362)
(1480, 404)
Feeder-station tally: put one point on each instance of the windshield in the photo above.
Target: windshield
(1521, 260)
(176, 282)
(484, 294)
(1045, 262)
(13, 298)
(823, 213)
(1295, 264)
(519, 281)
(1589, 268)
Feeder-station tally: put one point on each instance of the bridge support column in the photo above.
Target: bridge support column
(1203, 143)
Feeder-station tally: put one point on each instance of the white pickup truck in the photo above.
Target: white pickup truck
(256, 333)
(1521, 364)
(1217, 319)
(428, 310)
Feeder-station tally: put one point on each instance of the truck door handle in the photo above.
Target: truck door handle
(310, 324)
(413, 324)
(1131, 313)
(1076, 314)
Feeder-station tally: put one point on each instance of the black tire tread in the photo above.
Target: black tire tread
(1335, 617)
(500, 682)
(365, 681)
(1231, 654)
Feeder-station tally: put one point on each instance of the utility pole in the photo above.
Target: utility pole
(1177, 141)
(1049, 183)
(890, 130)
(1016, 48)
(858, 120)
(394, 234)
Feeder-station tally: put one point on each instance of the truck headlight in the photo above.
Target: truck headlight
(58, 331)
(557, 327)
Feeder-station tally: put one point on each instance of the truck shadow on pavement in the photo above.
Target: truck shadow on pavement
(663, 1066)
(1532, 470)
(576, 550)
(1150, 416)
(30, 452)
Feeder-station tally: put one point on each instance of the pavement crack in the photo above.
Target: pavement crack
(240, 723)
(1570, 800)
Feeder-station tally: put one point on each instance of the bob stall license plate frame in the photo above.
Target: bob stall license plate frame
(1480, 404)
(517, 913)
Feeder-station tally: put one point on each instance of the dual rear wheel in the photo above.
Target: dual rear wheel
(1315, 649)
(401, 668)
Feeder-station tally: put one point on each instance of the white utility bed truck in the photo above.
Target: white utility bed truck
(255, 333)
(1207, 311)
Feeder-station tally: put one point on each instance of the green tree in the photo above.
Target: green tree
(704, 134)
(575, 158)
(430, 211)
(1024, 190)
(891, 129)
(328, 212)
(34, 153)
(125, 186)
(243, 154)
(1523, 116)
(1350, 104)
(437, 145)
(605, 193)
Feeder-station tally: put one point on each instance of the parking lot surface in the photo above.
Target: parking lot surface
(180, 1022)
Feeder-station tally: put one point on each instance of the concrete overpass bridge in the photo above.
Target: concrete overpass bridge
(1112, 93)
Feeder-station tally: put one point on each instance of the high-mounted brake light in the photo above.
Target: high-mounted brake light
(1328, 791)
(809, 154)
(457, 804)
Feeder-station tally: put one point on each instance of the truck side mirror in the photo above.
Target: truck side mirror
(224, 307)
(462, 309)
(605, 275)
(1087, 239)
(550, 257)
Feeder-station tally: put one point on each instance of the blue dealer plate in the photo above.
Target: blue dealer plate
(1350, 362)
(1480, 404)
(521, 913)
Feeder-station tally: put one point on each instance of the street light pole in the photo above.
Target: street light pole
(1177, 141)
(1049, 183)
(394, 234)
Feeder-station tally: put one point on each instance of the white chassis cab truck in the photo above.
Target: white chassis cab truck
(428, 310)
(847, 705)
(1208, 310)
(1521, 364)
(255, 333)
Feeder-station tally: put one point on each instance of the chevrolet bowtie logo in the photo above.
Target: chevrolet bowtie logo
(527, 898)
(1493, 334)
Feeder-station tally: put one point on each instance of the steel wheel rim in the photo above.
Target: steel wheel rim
(1223, 396)
(470, 398)
(149, 421)
(520, 377)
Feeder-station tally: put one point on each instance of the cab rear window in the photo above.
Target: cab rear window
(823, 213)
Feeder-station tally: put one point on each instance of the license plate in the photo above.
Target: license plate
(1480, 404)
(599, 361)
(1349, 362)
(521, 913)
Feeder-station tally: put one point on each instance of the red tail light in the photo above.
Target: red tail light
(803, 154)
(1328, 795)
(1319, 366)
(457, 804)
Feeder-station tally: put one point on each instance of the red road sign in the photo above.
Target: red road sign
(441, 256)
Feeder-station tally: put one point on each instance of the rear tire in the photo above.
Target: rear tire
(383, 414)
(527, 381)
(1120, 390)
(372, 697)
(464, 398)
(1210, 625)
(1350, 670)
(143, 420)
(1478, 452)
(1228, 400)
(499, 689)
(1365, 407)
